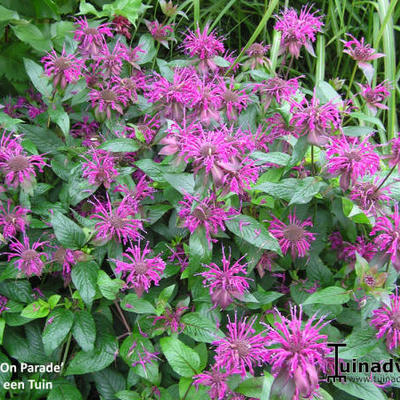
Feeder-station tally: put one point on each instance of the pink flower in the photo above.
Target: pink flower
(279, 128)
(241, 348)
(91, 40)
(301, 352)
(101, 169)
(225, 283)
(160, 32)
(265, 262)
(117, 223)
(278, 89)
(233, 101)
(208, 101)
(256, 53)
(85, 128)
(386, 320)
(298, 30)
(368, 197)
(205, 46)
(178, 256)
(3, 304)
(140, 271)
(105, 99)
(394, 155)
(362, 53)
(388, 240)
(28, 257)
(376, 96)
(351, 159)
(171, 319)
(361, 247)
(216, 380)
(12, 220)
(63, 69)
(18, 167)
(142, 356)
(315, 120)
(111, 63)
(293, 237)
(207, 212)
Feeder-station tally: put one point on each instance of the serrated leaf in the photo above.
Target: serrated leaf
(58, 325)
(44, 139)
(140, 306)
(305, 193)
(361, 390)
(84, 277)
(37, 309)
(183, 183)
(84, 330)
(35, 73)
(120, 145)
(67, 232)
(109, 288)
(64, 391)
(60, 117)
(182, 358)
(273, 158)
(200, 328)
(329, 295)
(252, 231)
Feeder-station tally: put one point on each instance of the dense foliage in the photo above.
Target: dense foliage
(192, 210)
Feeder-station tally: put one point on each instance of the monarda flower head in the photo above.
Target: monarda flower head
(12, 220)
(293, 237)
(298, 354)
(171, 319)
(91, 39)
(315, 120)
(374, 97)
(241, 348)
(298, 30)
(17, 166)
(116, 222)
(257, 56)
(351, 159)
(394, 155)
(101, 169)
(28, 258)
(225, 283)
(233, 100)
(386, 320)
(161, 33)
(216, 380)
(110, 63)
(205, 46)
(122, 26)
(140, 271)
(64, 69)
(207, 213)
(387, 240)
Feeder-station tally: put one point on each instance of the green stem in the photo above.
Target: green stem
(187, 392)
(386, 178)
(353, 74)
(66, 353)
(122, 317)
(312, 160)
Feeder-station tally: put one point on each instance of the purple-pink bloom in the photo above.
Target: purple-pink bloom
(241, 348)
(216, 380)
(351, 159)
(122, 26)
(298, 30)
(140, 271)
(161, 33)
(28, 258)
(171, 319)
(208, 213)
(374, 97)
(257, 55)
(265, 262)
(143, 356)
(225, 283)
(91, 39)
(394, 156)
(365, 249)
(117, 223)
(101, 169)
(315, 120)
(18, 167)
(84, 128)
(12, 220)
(301, 352)
(386, 320)
(205, 46)
(293, 237)
(3, 304)
(233, 100)
(110, 63)
(64, 69)
(67, 258)
(387, 240)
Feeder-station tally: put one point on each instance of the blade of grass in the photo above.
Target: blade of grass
(385, 14)
(196, 12)
(222, 13)
(276, 44)
(264, 20)
(320, 69)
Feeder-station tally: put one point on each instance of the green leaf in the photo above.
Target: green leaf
(37, 309)
(32, 35)
(84, 330)
(84, 277)
(108, 382)
(67, 232)
(7, 15)
(299, 150)
(360, 343)
(200, 249)
(109, 288)
(182, 358)
(200, 328)
(362, 390)
(60, 117)
(44, 139)
(120, 145)
(17, 290)
(35, 73)
(251, 387)
(64, 391)
(127, 8)
(329, 295)
(127, 395)
(357, 130)
(53, 300)
(2, 326)
(306, 192)
(4, 376)
(57, 327)
(133, 304)
(146, 43)
(273, 157)
(183, 183)
(252, 231)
